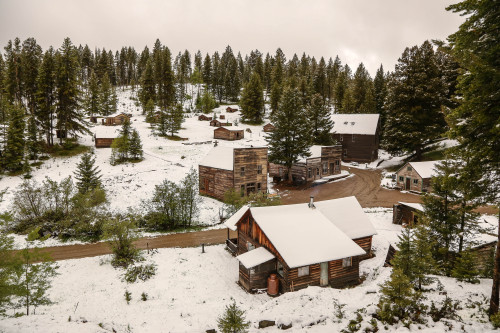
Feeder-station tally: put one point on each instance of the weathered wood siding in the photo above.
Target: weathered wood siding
(366, 244)
(223, 133)
(249, 232)
(103, 142)
(254, 175)
(358, 147)
(402, 214)
(407, 172)
(256, 277)
(268, 128)
(214, 182)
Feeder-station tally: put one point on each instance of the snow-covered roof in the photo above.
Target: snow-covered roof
(425, 169)
(220, 158)
(315, 152)
(413, 205)
(304, 236)
(355, 123)
(231, 128)
(255, 257)
(231, 222)
(106, 132)
(348, 216)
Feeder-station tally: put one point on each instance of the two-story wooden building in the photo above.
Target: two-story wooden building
(323, 161)
(314, 244)
(416, 176)
(226, 168)
(358, 134)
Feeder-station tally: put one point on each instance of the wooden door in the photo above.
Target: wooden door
(323, 278)
(332, 168)
(407, 183)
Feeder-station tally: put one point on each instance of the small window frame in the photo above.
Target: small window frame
(259, 169)
(347, 262)
(303, 271)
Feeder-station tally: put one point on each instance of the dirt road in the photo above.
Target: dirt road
(189, 239)
(365, 185)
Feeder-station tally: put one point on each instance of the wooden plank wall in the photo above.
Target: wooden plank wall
(366, 244)
(343, 276)
(357, 147)
(219, 181)
(250, 159)
(103, 142)
(226, 134)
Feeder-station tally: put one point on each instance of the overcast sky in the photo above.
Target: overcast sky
(368, 31)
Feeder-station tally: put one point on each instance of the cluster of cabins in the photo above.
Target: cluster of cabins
(104, 136)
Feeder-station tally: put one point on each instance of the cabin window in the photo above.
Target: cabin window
(341, 138)
(250, 188)
(250, 246)
(242, 190)
(317, 171)
(242, 171)
(259, 169)
(325, 167)
(303, 271)
(309, 173)
(347, 262)
(415, 181)
(401, 178)
(258, 187)
(279, 268)
(408, 168)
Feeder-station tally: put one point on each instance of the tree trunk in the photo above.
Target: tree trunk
(462, 228)
(496, 276)
(418, 153)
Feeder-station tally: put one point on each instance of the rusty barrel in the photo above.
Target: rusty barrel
(273, 285)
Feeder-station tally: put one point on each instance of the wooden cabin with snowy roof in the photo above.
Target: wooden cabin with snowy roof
(310, 244)
(230, 134)
(323, 161)
(104, 136)
(116, 119)
(406, 213)
(358, 134)
(203, 117)
(268, 127)
(416, 176)
(226, 168)
(231, 110)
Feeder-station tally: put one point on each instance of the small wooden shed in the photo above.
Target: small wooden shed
(231, 134)
(268, 127)
(204, 117)
(416, 176)
(117, 119)
(215, 123)
(231, 110)
(104, 137)
(406, 213)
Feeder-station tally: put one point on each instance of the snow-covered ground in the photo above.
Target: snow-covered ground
(128, 184)
(191, 289)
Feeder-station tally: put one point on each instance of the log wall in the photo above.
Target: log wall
(103, 142)
(226, 134)
(366, 244)
(405, 215)
(250, 159)
(214, 182)
(357, 147)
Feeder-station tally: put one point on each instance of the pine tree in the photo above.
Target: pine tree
(31, 57)
(380, 93)
(107, 97)
(341, 86)
(171, 121)
(233, 320)
(399, 301)
(88, 175)
(26, 167)
(290, 139)
(148, 90)
(475, 121)
(46, 94)
(465, 268)
(362, 91)
(135, 146)
(9, 264)
(69, 116)
(13, 72)
(32, 144)
(92, 98)
(318, 114)
(414, 102)
(14, 149)
(252, 100)
(275, 99)
(207, 72)
(207, 102)
(166, 85)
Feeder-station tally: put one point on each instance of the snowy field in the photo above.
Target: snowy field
(191, 289)
(128, 184)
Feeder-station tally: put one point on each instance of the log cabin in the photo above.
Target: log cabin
(226, 168)
(116, 119)
(231, 134)
(323, 161)
(406, 213)
(268, 127)
(416, 176)
(215, 123)
(231, 110)
(310, 244)
(204, 117)
(104, 136)
(359, 136)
